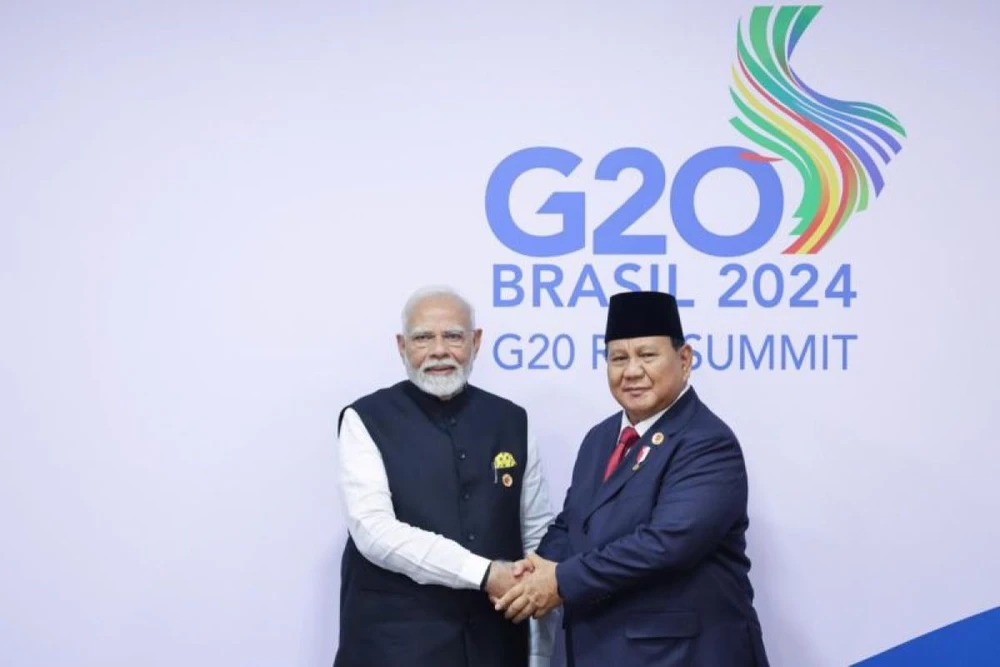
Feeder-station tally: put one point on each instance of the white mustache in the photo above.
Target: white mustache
(427, 365)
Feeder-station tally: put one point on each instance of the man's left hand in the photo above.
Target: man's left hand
(536, 594)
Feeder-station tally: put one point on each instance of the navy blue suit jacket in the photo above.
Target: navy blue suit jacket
(652, 564)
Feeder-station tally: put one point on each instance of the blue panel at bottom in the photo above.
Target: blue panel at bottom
(971, 642)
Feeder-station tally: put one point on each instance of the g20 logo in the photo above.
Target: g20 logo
(610, 235)
(833, 145)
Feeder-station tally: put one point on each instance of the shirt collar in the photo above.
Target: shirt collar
(644, 425)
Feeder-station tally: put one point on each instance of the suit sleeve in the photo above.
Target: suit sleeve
(555, 546)
(703, 494)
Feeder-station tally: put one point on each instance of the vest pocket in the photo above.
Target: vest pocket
(659, 625)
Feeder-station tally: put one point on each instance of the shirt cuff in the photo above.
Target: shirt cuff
(473, 570)
(539, 660)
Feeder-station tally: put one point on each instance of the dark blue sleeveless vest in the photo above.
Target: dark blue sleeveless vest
(439, 458)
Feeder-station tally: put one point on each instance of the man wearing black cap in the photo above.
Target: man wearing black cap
(647, 557)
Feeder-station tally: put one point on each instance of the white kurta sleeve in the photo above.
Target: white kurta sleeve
(424, 556)
(536, 516)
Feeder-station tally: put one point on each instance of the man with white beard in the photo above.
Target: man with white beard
(443, 490)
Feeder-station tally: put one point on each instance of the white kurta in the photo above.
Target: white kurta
(424, 556)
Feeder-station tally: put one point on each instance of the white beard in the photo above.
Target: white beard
(442, 386)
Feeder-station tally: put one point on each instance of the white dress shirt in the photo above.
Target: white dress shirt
(424, 556)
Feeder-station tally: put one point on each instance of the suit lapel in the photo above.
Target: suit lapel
(670, 424)
(598, 458)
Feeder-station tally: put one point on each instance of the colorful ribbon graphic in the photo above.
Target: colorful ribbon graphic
(831, 143)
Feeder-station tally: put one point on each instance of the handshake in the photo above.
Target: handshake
(524, 589)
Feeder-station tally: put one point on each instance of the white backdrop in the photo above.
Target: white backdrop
(211, 214)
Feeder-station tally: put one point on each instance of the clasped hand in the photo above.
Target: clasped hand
(524, 589)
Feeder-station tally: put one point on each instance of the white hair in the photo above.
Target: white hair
(436, 291)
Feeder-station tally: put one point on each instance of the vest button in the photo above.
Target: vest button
(461, 456)
(465, 496)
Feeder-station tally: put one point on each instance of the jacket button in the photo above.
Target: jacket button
(465, 496)
(472, 537)
(461, 456)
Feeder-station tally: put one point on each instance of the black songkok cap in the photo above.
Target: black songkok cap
(640, 314)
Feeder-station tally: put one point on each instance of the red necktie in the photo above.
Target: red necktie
(625, 440)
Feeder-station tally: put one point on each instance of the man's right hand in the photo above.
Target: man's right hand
(503, 577)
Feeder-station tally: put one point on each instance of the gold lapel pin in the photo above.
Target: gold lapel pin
(657, 438)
